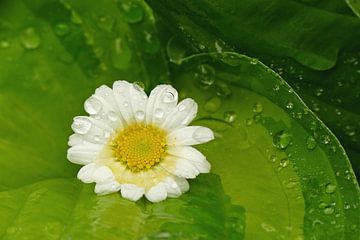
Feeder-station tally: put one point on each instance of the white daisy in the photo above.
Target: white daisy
(136, 144)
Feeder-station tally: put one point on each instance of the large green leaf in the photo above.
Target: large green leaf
(270, 178)
(331, 94)
(355, 6)
(290, 174)
(259, 26)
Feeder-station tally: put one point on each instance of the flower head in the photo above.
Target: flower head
(136, 144)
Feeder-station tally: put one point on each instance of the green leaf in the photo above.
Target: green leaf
(289, 173)
(355, 6)
(52, 57)
(68, 209)
(44, 86)
(258, 26)
(331, 94)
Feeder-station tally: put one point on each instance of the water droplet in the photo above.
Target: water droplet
(159, 113)
(219, 45)
(231, 60)
(284, 162)
(105, 23)
(61, 29)
(202, 134)
(338, 112)
(230, 116)
(273, 158)
(254, 61)
(81, 125)
(140, 115)
(325, 139)
(347, 206)
(267, 227)
(276, 87)
(4, 44)
(206, 75)
(169, 96)
(30, 39)
(257, 107)
(249, 121)
(151, 43)
(289, 105)
(319, 91)
(133, 12)
(213, 104)
(112, 116)
(97, 138)
(182, 107)
(328, 210)
(330, 188)
(121, 55)
(92, 105)
(282, 139)
(223, 89)
(126, 104)
(311, 143)
(75, 18)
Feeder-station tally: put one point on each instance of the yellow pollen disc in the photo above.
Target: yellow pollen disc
(140, 147)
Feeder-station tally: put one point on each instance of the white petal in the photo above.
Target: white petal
(176, 186)
(85, 174)
(123, 99)
(191, 135)
(157, 193)
(179, 167)
(132, 192)
(182, 115)
(75, 139)
(162, 101)
(83, 154)
(103, 188)
(192, 155)
(102, 174)
(102, 105)
(92, 130)
(138, 99)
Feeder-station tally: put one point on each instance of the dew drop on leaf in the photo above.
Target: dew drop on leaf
(325, 139)
(248, 121)
(281, 139)
(121, 55)
(289, 105)
(30, 39)
(231, 60)
(284, 162)
(105, 23)
(330, 188)
(223, 89)
(133, 13)
(328, 210)
(205, 75)
(257, 107)
(75, 18)
(230, 116)
(213, 104)
(4, 44)
(151, 44)
(311, 143)
(61, 29)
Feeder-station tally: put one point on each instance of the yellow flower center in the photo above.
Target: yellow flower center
(140, 147)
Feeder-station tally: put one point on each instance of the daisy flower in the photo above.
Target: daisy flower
(136, 144)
